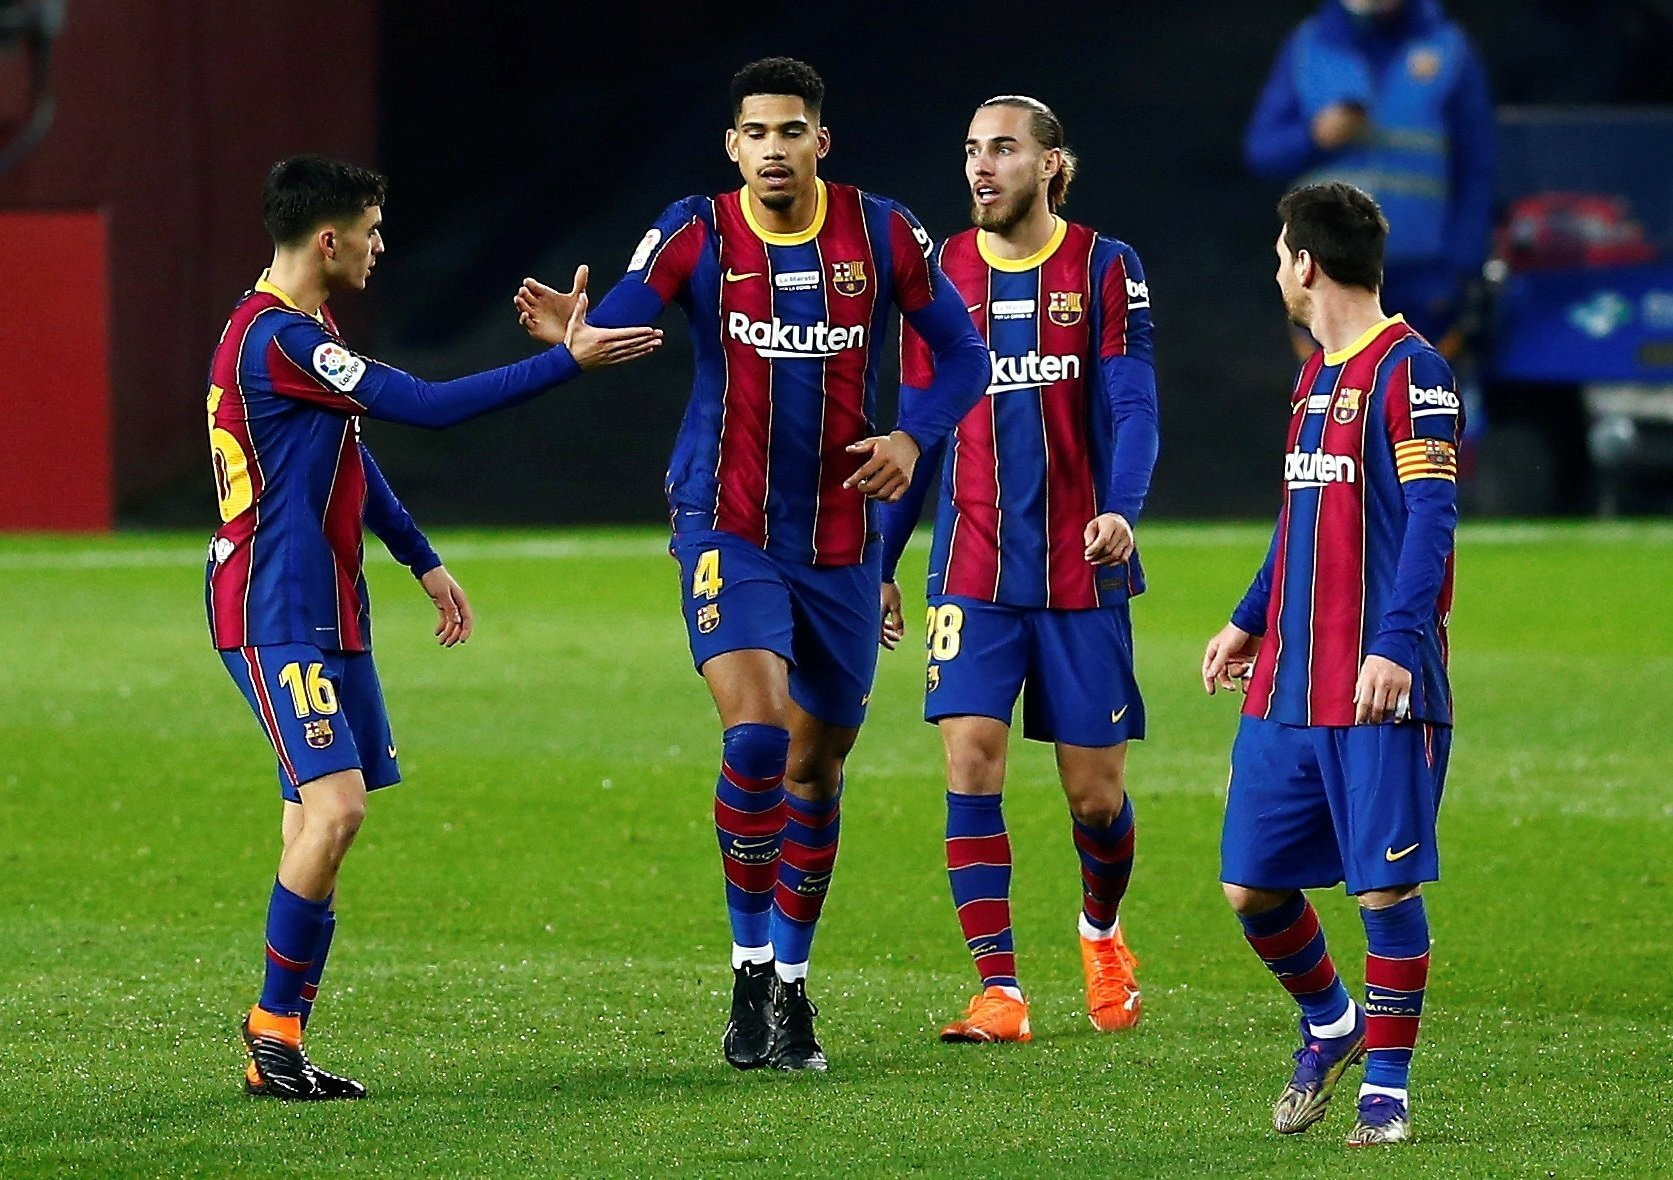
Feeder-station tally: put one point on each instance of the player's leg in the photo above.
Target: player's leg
(1389, 789)
(1277, 841)
(737, 617)
(1083, 697)
(977, 659)
(979, 871)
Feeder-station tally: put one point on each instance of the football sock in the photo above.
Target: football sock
(310, 983)
(979, 870)
(811, 830)
(1396, 973)
(1106, 864)
(1290, 942)
(293, 938)
(749, 822)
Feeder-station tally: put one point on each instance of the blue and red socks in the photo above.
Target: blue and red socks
(811, 830)
(1106, 865)
(979, 870)
(1396, 973)
(1290, 942)
(749, 823)
(310, 983)
(294, 927)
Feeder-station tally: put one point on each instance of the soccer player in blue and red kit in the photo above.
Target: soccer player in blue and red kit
(286, 595)
(1033, 563)
(1342, 641)
(787, 284)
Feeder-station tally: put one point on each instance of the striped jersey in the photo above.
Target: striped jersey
(1361, 562)
(292, 482)
(786, 329)
(1033, 462)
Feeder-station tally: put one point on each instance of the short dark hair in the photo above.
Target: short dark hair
(1047, 129)
(302, 193)
(1341, 227)
(778, 75)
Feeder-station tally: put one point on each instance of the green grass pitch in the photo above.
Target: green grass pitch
(531, 963)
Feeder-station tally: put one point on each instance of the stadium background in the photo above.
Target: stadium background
(520, 139)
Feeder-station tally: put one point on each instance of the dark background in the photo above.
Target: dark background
(523, 138)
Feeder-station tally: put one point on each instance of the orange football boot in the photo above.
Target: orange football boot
(1112, 988)
(991, 1017)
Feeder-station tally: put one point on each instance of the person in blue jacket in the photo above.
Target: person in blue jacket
(1391, 97)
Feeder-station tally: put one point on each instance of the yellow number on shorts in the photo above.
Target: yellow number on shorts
(310, 694)
(705, 580)
(943, 624)
(232, 466)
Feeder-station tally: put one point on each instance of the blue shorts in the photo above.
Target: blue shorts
(322, 712)
(1310, 806)
(1074, 669)
(822, 620)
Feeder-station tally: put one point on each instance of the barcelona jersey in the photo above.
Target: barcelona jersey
(292, 480)
(1361, 562)
(1035, 460)
(786, 330)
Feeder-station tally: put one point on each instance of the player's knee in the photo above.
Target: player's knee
(975, 769)
(337, 821)
(1100, 810)
(1248, 901)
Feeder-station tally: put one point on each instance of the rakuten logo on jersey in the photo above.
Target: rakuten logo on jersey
(1315, 469)
(779, 339)
(1030, 370)
(1439, 400)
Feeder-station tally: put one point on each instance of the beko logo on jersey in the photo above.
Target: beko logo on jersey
(1315, 469)
(779, 339)
(1439, 400)
(1030, 370)
(1138, 294)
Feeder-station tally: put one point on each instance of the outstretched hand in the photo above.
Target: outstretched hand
(544, 311)
(594, 348)
(1229, 659)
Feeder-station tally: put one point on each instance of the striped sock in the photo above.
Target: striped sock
(293, 936)
(804, 878)
(1396, 973)
(749, 823)
(310, 983)
(1290, 942)
(979, 870)
(1106, 864)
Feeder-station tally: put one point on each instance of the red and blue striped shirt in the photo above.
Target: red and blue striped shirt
(1361, 561)
(785, 329)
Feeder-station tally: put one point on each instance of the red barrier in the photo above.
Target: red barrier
(55, 444)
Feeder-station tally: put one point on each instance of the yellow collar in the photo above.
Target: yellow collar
(1331, 359)
(801, 236)
(1015, 265)
(266, 287)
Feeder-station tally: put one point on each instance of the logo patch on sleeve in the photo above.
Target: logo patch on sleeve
(337, 366)
(642, 252)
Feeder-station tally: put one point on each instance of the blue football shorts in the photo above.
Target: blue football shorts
(822, 620)
(1310, 806)
(1073, 669)
(322, 712)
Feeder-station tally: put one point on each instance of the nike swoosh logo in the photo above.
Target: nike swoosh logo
(392, 751)
(1378, 996)
(733, 276)
(974, 308)
(1390, 855)
(1115, 717)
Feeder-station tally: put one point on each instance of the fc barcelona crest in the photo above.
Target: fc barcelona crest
(1347, 405)
(1065, 308)
(318, 733)
(849, 278)
(708, 617)
(932, 679)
